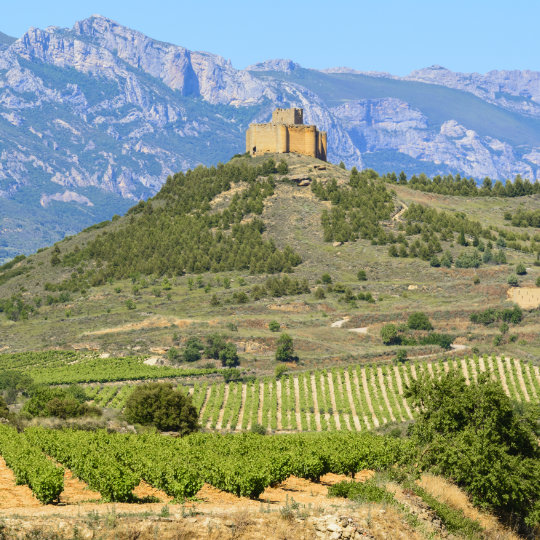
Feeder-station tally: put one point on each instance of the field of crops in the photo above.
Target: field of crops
(244, 464)
(66, 367)
(355, 398)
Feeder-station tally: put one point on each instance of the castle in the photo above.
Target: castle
(286, 133)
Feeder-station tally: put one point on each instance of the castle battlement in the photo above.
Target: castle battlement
(286, 133)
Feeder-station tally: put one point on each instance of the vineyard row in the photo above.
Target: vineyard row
(355, 398)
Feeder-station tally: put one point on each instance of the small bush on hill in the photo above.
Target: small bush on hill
(419, 321)
(274, 326)
(389, 335)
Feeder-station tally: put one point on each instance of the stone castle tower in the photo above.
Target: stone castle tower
(286, 133)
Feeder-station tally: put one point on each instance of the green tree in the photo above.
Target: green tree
(228, 356)
(419, 321)
(389, 334)
(474, 435)
(4, 410)
(361, 275)
(159, 405)
(285, 349)
(521, 270)
(513, 280)
(326, 279)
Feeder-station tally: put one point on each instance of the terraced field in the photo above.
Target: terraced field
(356, 398)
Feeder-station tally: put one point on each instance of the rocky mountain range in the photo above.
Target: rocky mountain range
(95, 117)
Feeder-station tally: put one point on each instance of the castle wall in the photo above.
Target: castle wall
(287, 135)
(288, 116)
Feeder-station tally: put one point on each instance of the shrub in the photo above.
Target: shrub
(159, 405)
(538, 281)
(389, 334)
(319, 293)
(435, 262)
(274, 326)
(191, 353)
(442, 340)
(419, 321)
(401, 356)
(229, 356)
(59, 402)
(521, 270)
(285, 349)
(361, 275)
(173, 354)
(282, 167)
(326, 279)
(231, 374)
(280, 371)
(4, 410)
(513, 280)
(360, 491)
(258, 429)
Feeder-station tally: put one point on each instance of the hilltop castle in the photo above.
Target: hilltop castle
(286, 133)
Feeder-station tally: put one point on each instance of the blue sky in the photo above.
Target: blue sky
(397, 36)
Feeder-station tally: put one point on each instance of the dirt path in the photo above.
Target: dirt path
(367, 395)
(465, 371)
(511, 379)
(536, 373)
(271, 390)
(76, 491)
(316, 403)
(413, 372)
(223, 407)
(297, 403)
(277, 390)
(292, 405)
(502, 376)
(12, 495)
(384, 395)
(529, 376)
(521, 380)
(481, 364)
(333, 399)
(357, 390)
(242, 408)
(205, 401)
(400, 392)
(323, 393)
(340, 323)
(472, 366)
(348, 389)
(150, 322)
(397, 217)
(395, 394)
(305, 384)
(491, 369)
(261, 398)
(430, 369)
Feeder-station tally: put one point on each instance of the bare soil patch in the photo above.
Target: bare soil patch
(150, 322)
(525, 297)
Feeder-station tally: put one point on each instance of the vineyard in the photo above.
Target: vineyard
(354, 398)
(66, 367)
(244, 464)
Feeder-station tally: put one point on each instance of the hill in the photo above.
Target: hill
(95, 117)
(231, 248)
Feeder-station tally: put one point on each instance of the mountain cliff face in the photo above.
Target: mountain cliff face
(95, 117)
